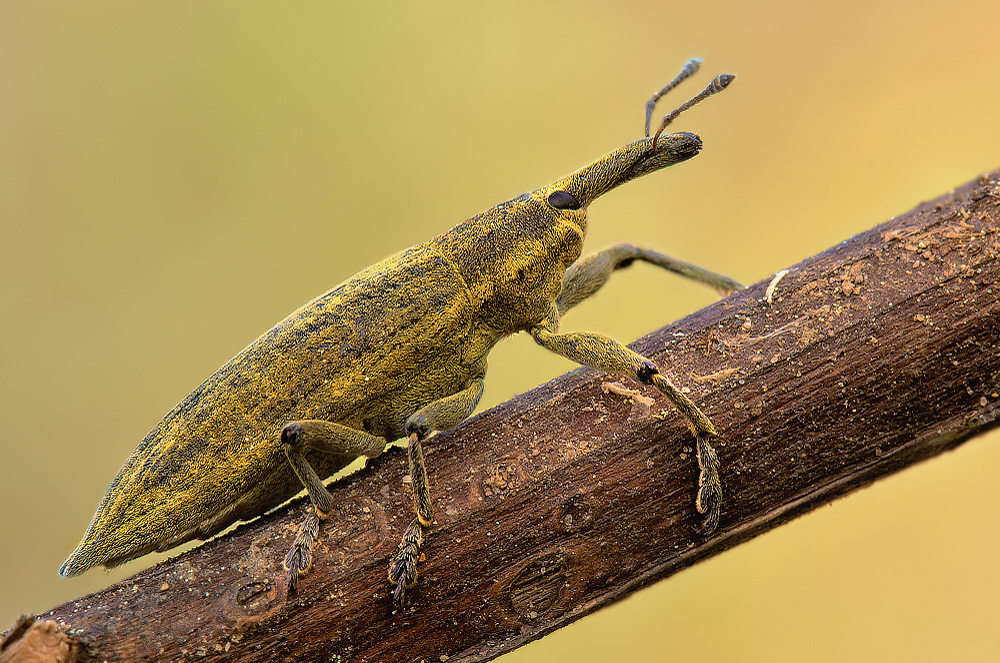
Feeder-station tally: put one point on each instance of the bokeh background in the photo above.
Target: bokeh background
(176, 177)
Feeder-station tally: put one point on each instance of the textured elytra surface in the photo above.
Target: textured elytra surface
(873, 355)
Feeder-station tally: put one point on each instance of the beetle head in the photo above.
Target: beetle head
(571, 195)
(577, 190)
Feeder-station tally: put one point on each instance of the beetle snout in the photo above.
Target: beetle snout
(685, 145)
(627, 163)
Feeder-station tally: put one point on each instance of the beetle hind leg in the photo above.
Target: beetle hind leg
(327, 437)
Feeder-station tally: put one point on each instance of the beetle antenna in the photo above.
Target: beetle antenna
(720, 83)
(689, 70)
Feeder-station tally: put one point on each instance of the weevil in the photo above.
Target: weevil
(397, 351)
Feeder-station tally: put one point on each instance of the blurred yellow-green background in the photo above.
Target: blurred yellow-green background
(176, 177)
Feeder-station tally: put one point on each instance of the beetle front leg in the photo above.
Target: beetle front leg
(440, 415)
(330, 438)
(589, 274)
(608, 355)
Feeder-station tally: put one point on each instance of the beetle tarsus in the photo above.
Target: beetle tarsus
(298, 561)
(403, 569)
(709, 500)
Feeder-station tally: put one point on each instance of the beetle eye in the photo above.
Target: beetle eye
(563, 200)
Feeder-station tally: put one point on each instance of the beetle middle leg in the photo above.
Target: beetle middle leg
(330, 438)
(606, 354)
(441, 414)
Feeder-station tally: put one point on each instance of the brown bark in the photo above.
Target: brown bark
(876, 354)
(37, 641)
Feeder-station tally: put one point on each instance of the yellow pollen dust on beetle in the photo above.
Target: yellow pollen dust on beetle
(397, 350)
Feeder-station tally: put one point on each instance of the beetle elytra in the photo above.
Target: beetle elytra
(398, 350)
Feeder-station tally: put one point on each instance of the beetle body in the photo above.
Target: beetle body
(397, 350)
(366, 354)
(400, 334)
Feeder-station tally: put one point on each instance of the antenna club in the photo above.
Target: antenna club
(691, 67)
(722, 81)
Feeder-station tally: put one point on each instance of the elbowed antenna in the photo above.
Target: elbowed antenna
(718, 85)
(690, 69)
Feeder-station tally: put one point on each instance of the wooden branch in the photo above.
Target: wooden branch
(872, 356)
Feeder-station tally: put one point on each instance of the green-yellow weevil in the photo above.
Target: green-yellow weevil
(398, 350)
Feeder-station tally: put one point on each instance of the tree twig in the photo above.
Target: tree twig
(860, 361)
